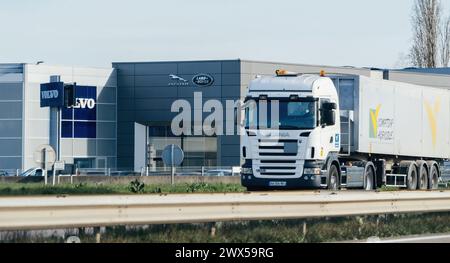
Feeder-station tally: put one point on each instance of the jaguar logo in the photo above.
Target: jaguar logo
(175, 77)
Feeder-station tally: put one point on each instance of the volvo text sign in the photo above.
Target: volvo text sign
(52, 94)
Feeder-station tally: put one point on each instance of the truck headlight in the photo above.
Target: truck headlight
(312, 171)
(246, 170)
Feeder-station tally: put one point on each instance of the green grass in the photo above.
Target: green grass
(274, 231)
(18, 189)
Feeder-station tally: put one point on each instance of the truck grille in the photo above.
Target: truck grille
(278, 168)
(278, 148)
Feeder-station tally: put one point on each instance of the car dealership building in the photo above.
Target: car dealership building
(122, 118)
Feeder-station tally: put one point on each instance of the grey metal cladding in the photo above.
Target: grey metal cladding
(125, 92)
(231, 139)
(230, 161)
(155, 68)
(10, 110)
(155, 116)
(125, 127)
(230, 150)
(106, 130)
(156, 92)
(125, 81)
(107, 95)
(231, 91)
(125, 138)
(124, 68)
(233, 66)
(106, 147)
(10, 147)
(11, 91)
(154, 80)
(153, 104)
(126, 150)
(11, 128)
(125, 104)
(106, 112)
(125, 162)
(10, 162)
(231, 79)
(207, 92)
(123, 115)
(199, 67)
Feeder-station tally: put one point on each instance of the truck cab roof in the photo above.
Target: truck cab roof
(307, 84)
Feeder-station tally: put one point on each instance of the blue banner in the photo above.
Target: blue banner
(52, 94)
(80, 121)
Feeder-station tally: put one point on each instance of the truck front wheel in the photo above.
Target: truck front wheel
(333, 178)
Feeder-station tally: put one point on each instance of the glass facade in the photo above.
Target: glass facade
(198, 150)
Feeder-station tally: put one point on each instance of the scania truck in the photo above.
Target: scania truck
(343, 131)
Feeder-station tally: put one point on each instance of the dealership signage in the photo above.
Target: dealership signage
(80, 120)
(84, 103)
(52, 94)
(203, 80)
(199, 80)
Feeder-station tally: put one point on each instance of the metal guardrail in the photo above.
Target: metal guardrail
(27, 213)
(158, 171)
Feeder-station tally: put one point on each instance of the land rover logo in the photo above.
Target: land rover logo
(203, 80)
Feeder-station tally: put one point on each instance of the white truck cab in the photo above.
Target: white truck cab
(290, 151)
(306, 131)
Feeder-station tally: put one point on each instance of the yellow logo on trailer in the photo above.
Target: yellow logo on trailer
(432, 111)
(373, 130)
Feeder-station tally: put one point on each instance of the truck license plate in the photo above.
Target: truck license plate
(277, 183)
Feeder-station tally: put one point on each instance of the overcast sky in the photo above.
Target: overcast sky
(370, 33)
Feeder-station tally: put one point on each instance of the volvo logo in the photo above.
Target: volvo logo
(50, 94)
(203, 80)
(84, 103)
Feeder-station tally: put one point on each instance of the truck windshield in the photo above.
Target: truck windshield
(293, 115)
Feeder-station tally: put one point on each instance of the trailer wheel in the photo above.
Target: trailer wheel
(410, 169)
(433, 179)
(333, 178)
(369, 179)
(422, 183)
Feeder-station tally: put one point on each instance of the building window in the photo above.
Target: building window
(84, 163)
(198, 150)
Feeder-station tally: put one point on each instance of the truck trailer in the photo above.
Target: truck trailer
(343, 131)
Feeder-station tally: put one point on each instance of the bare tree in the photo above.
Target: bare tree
(426, 20)
(445, 42)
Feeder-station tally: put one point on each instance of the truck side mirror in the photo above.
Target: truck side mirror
(329, 106)
(328, 114)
